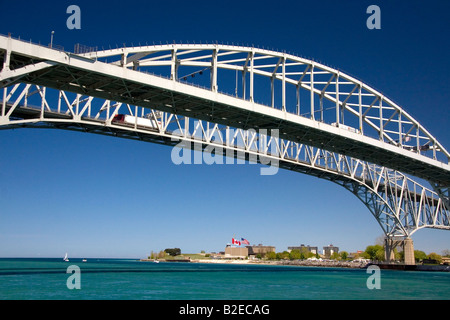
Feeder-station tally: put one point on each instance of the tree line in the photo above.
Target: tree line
(161, 254)
(373, 252)
(301, 254)
(377, 252)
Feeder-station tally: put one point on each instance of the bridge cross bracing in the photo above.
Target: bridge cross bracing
(242, 102)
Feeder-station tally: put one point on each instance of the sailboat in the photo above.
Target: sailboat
(65, 257)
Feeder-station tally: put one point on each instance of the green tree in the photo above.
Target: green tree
(375, 252)
(304, 253)
(173, 251)
(295, 254)
(418, 255)
(283, 255)
(381, 256)
(344, 255)
(435, 256)
(271, 255)
(335, 256)
(396, 254)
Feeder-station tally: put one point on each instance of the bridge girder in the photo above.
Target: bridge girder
(341, 130)
(306, 101)
(399, 204)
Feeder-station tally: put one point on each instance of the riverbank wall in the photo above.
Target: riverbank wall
(417, 267)
(329, 264)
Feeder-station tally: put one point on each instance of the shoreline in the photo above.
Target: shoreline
(334, 264)
(305, 263)
(315, 263)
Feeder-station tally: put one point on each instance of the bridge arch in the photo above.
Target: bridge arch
(320, 106)
(293, 84)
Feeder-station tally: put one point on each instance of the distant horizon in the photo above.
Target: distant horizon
(182, 252)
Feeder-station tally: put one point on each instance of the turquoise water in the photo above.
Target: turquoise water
(43, 279)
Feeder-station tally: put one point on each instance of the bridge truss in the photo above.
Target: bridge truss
(272, 108)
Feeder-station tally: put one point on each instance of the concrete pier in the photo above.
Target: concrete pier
(408, 250)
(390, 243)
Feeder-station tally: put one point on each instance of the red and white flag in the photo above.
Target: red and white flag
(234, 241)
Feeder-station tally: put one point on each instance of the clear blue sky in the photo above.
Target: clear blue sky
(95, 196)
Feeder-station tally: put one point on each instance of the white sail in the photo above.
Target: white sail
(65, 257)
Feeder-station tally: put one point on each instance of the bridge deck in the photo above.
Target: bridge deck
(123, 130)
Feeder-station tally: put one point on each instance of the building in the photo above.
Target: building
(329, 250)
(302, 248)
(260, 249)
(236, 252)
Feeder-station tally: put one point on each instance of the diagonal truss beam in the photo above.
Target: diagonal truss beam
(400, 204)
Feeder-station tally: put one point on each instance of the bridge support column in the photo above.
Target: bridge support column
(390, 243)
(408, 251)
(389, 246)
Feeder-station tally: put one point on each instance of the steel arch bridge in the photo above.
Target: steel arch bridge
(241, 102)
